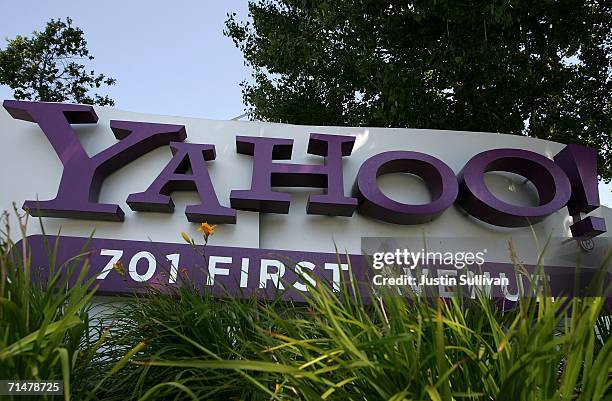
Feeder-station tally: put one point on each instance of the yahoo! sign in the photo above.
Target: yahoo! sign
(570, 180)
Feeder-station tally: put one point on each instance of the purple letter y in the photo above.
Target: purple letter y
(83, 176)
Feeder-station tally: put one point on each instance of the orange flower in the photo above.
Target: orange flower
(207, 229)
(118, 266)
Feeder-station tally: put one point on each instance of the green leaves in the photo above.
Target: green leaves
(540, 69)
(43, 323)
(29, 342)
(334, 346)
(186, 344)
(52, 65)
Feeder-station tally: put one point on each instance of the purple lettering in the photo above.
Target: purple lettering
(266, 174)
(438, 177)
(580, 165)
(174, 177)
(550, 181)
(83, 176)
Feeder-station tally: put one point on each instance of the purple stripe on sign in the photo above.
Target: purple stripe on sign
(247, 272)
(240, 272)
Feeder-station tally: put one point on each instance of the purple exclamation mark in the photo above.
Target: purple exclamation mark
(580, 166)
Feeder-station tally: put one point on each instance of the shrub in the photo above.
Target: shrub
(184, 344)
(336, 346)
(44, 321)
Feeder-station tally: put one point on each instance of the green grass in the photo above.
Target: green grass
(337, 347)
(184, 344)
(43, 323)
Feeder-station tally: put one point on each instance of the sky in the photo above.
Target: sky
(168, 57)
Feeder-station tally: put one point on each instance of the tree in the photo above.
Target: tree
(537, 68)
(48, 66)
